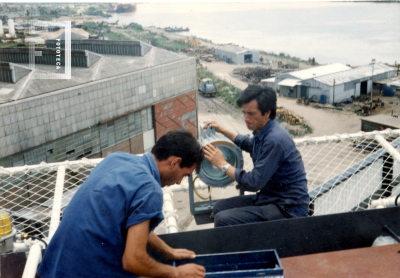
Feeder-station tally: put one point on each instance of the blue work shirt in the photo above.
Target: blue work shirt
(121, 191)
(278, 172)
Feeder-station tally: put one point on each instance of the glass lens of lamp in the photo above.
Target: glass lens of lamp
(212, 172)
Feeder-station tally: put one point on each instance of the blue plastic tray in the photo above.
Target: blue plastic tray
(261, 263)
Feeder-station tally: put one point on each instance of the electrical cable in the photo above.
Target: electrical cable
(38, 238)
(198, 195)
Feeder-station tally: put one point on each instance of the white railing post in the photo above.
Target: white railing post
(55, 215)
(169, 212)
(389, 148)
(34, 258)
(35, 252)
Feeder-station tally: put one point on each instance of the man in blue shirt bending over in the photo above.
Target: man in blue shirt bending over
(110, 220)
(278, 176)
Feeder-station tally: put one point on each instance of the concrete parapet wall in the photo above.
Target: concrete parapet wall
(11, 73)
(30, 122)
(131, 48)
(145, 48)
(6, 74)
(48, 56)
(93, 58)
(20, 72)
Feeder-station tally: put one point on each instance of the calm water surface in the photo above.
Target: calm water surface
(349, 33)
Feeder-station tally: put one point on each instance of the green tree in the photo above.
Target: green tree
(43, 10)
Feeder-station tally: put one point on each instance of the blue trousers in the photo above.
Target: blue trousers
(241, 210)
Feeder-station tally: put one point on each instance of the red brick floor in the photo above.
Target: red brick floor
(376, 262)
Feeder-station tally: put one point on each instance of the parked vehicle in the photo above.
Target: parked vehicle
(207, 87)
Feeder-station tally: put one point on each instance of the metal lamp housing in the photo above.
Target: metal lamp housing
(210, 174)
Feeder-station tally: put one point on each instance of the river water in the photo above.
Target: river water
(332, 32)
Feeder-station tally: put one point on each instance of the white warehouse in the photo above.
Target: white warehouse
(350, 83)
(296, 84)
(330, 83)
(237, 55)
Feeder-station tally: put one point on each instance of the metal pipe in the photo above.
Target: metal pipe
(386, 203)
(344, 137)
(43, 165)
(169, 212)
(185, 187)
(35, 252)
(55, 213)
(34, 258)
(298, 142)
(372, 79)
(389, 148)
(20, 247)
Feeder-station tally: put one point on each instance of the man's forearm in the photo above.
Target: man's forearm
(158, 244)
(144, 265)
(229, 134)
(230, 172)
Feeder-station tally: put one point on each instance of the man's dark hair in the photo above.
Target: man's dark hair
(179, 143)
(265, 96)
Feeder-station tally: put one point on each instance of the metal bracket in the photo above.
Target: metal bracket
(391, 233)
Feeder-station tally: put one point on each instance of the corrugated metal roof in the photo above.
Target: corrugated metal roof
(290, 82)
(392, 81)
(395, 83)
(268, 80)
(353, 74)
(319, 71)
(233, 49)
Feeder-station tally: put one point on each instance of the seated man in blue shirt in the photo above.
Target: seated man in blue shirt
(110, 220)
(278, 176)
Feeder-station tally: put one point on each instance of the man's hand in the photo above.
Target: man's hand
(191, 271)
(214, 155)
(213, 124)
(179, 254)
(137, 260)
(229, 134)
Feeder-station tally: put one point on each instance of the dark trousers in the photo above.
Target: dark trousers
(241, 210)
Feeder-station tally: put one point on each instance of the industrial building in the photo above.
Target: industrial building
(351, 83)
(296, 84)
(269, 82)
(236, 55)
(380, 122)
(122, 96)
(389, 86)
(330, 83)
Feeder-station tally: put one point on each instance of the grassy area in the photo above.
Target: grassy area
(93, 11)
(158, 40)
(8, 44)
(117, 36)
(201, 39)
(134, 26)
(94, 28)
(285, 56)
